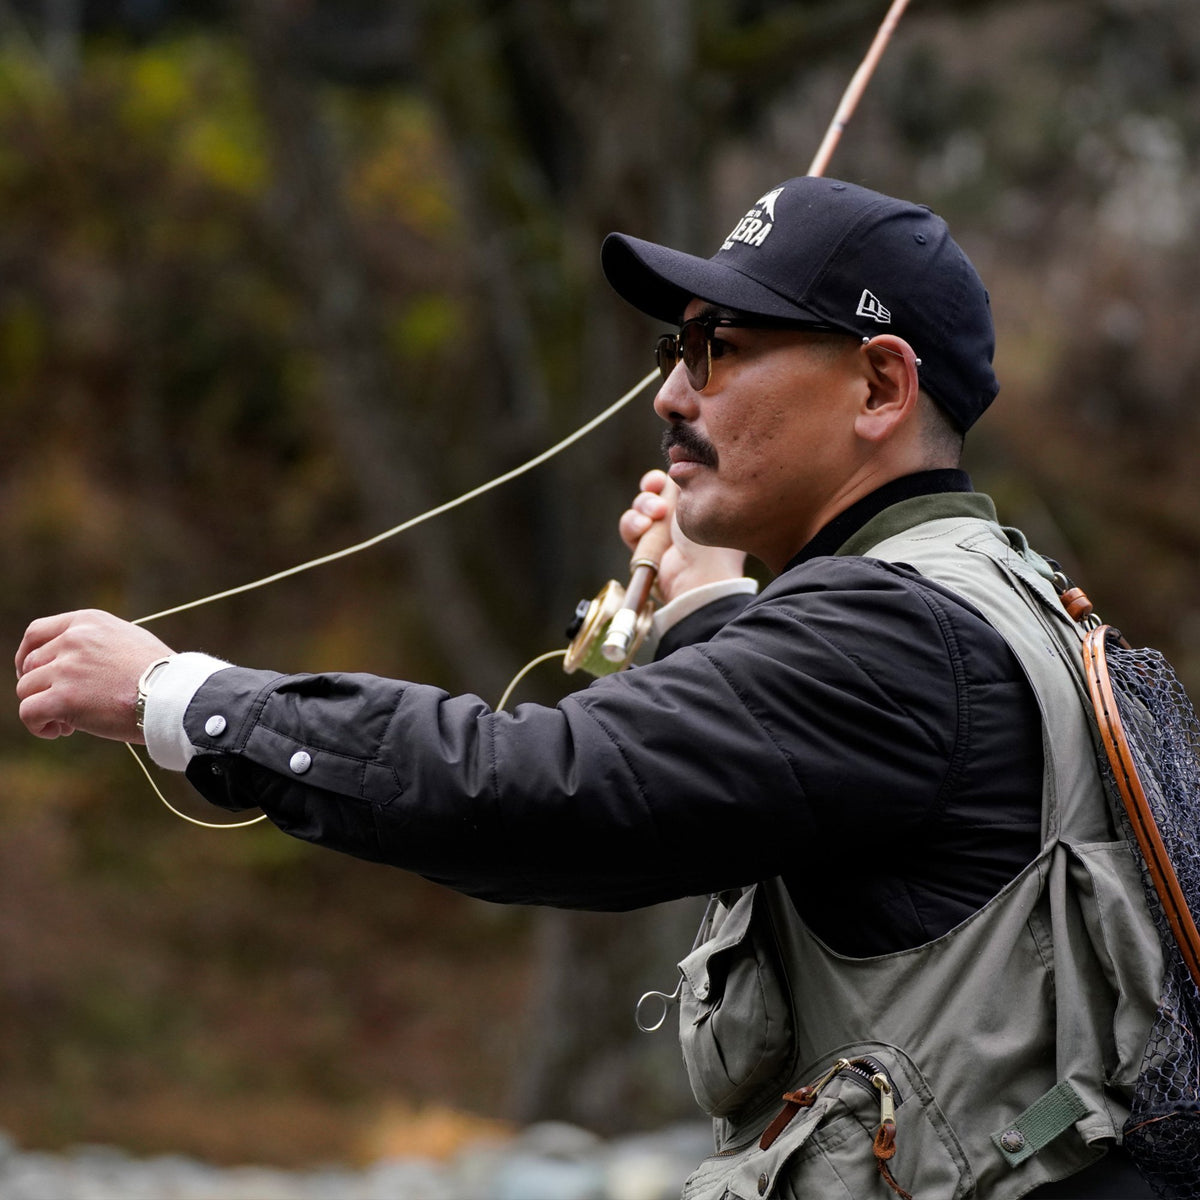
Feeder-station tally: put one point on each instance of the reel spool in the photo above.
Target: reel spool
(607, 632)
(589, 631)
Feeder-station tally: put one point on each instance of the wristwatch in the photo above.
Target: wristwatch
(144, 684)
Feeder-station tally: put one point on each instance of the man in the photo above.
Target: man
(879, 768)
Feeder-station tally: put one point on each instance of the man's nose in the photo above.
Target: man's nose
(676, 399)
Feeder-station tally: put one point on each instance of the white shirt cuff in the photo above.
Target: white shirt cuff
(166, 704)
(695, 599)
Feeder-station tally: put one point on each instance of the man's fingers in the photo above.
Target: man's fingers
(39, 656)
(41, 631)
(78, 672)
(636, 520)
(655, 502)
(654, 481)
(42, 705)
(49, 729)
(632, 525)
(40, 710)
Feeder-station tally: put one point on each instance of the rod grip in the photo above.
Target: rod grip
(652, 545)
(643, 567)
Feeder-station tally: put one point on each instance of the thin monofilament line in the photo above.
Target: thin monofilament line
(845, 111)
(516, 679)
(483, 488)
(145, 770)
(819, 164)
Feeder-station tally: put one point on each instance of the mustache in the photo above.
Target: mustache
(691, 443)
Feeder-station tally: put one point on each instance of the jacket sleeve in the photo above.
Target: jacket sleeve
(703, 624)
(713, 767)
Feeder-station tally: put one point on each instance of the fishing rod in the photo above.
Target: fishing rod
(650, 554)
(607, 633)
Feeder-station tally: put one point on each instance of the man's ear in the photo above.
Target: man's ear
(890, 369)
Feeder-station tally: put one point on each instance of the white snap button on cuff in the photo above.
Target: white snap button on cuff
(300, 761)
(214, 726)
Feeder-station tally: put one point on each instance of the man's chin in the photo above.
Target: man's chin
(698, 525)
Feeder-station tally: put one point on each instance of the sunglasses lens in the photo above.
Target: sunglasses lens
(693, 340)
(666, 354)
(691, 344)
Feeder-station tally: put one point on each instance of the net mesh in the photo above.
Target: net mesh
(1163, 733)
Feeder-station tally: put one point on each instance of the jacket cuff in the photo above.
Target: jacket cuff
(683, 606)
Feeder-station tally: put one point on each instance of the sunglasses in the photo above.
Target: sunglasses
(693, 344)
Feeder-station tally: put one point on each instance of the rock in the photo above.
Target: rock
(412, 1179)
(526, 1177)
(557, 1139)
(654, 1166)
(548, 1161)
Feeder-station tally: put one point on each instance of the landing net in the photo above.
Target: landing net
(1152, 742)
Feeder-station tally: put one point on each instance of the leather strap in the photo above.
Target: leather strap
(1137, 807)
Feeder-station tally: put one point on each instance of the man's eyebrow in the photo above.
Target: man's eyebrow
(712, 311)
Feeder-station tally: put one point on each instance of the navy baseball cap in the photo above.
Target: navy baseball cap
(822, 252)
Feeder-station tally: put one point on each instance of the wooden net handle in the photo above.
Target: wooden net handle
(1133, 795)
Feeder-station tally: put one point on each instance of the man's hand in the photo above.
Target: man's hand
(686, 564)
(80, 671)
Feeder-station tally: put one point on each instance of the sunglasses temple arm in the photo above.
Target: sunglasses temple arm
(643, 571)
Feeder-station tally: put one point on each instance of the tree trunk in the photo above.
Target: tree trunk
(365, 406)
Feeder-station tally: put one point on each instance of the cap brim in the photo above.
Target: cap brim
(661, 282)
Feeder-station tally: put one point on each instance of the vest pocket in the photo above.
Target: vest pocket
(832, 1139)
(735, 1018)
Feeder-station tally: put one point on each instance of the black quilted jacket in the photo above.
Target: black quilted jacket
(855, 728)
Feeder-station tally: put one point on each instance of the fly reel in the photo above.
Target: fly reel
(589, 632)
(607, 632)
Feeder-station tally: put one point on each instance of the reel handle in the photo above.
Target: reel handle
(643, 567)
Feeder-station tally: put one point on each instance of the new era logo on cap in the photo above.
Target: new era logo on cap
(869, 306)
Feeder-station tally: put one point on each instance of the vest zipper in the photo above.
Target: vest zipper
(868, 1073)
(864, 1071)
(871, 1074)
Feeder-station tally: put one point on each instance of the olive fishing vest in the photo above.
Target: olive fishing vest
(1006, 1048)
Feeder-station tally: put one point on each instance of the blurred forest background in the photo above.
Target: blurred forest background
(278, 274)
